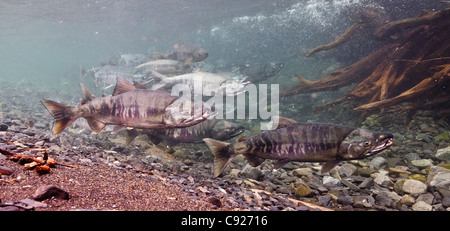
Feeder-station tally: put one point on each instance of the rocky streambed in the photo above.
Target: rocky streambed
(100, 172)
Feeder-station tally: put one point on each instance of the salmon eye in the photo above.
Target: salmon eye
(366, 143)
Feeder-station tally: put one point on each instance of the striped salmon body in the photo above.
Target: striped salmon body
(305, 142)
(129, 107)
(302, 142)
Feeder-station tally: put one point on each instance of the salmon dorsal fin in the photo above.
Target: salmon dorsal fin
(88, 96)
(122, 86)
(241, 138)
(284, 122)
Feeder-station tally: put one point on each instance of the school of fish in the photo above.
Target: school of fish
(154, 112)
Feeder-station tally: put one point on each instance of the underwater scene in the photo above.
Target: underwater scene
(212, 105)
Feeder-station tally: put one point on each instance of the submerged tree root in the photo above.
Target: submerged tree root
(406, 74)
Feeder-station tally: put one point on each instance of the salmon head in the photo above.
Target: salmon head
(362, 143)
(225, 130)
(185, 113)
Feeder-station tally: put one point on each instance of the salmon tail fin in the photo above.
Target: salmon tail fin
(62, 114)
(222, 155)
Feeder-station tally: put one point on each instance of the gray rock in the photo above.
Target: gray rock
(412, 156)
(33, 203)
(378, 162)
(302, 172)
(443, 153)
(345, 200)
(49, 191)
(446, 202)
(424, 136)
(347, 170)
(9, 208)
(324, 200)
(414, 187)
(3, 127)
(330, 182)
(383, 179)
(387, 198)
(363, 201)
(422, 206)
(251, 172)
(426, 197)
(439, 177)
(408, 200)
(367, 183)
(423, 163)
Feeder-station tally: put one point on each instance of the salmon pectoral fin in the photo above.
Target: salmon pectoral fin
(131, 135)
(222, 155)
(279, 164)
(154, 139)
(254, 161)
(329, 165)
(95, 125)
(62, 113)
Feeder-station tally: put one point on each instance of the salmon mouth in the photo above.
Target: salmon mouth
(387, 142)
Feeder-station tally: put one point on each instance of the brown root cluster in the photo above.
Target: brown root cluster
(40, 164)
(410, 71)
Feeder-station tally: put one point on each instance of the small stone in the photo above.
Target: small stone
(439, 177)
(364, 201)
(215, 201)
(350, 184)
(325, 199)
(414, 187)
(303, 190)
(388, 198)
(422, 206)
(302, 208)
(407, 200)
(347, 170)
(443, 153)
(365, 171)
(302, 172)
(33, 203)
(423, 163)
(49, 191)
(345, 200)
(5, 171)
(249, 183)
(378, 162)
(399, 171)
(412, 156)
(3, 127)
(446, 202)
(250, 172)
(234, 172)
(445, 136)
(85, 161)
(418, 177)
(426, 197)
(367, 183)
(383, 179)
(330, 182)
(9, 208)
